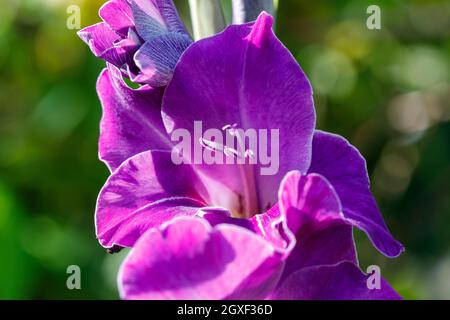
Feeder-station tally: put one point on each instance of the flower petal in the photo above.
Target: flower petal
(326, 247)
(144, 192)
(307, 226)
(188, 259)
(131, 121)
(245, 76)
(118, 15)
(156, 17)
(270, 225)
(309, 203)
(343, 281)
(345, 168)
(157, 58)
(248, 10)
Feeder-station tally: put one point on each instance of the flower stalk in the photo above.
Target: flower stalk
(248, 10)
(207, 18)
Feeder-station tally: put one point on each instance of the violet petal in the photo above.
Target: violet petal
(342, 164)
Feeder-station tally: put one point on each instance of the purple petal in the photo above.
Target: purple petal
(345, 168)
(310, 209)
(144, 192)
(309, 203)
(156, 17)
(157, 58)
(158, 23)
(306, 225)
(314, 214)
(188, 259)
(326, 247)
(270, 225)
(133, 225)
(248, 10)
(131, 121)
(108, 45)
(343, 281)
(245, 76)
(118, 15)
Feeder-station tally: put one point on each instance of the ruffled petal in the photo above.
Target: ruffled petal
(131, 121)
(189, 259)
(156, 17)
(344, 167)
(313, 214)
(143, 38)
(326, 247)
(309, 203)
(343, 281)
(144, 192)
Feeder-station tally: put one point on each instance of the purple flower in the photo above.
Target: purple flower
(226, 231)
(143, 38)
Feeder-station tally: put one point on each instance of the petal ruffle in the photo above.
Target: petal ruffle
(136, 34)
(248, 10)
(343, 281)
(156, 17)
(131, 121)
(270, 225)
(144, 192)
(189, 259)
(344, 167)
(230, 79)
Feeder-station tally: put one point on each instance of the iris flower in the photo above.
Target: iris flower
(224, 231)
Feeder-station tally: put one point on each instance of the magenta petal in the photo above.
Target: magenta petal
(118, 15)
(345, 168)
(245, 76)
(326, 247)
(188, 259)
(343, 281)
(131, 121)
(158, 23)
(110, 46)
(313, 213)
(134, 224)
(248, 10)
(144, 192)
(270, 225)
(309, 203)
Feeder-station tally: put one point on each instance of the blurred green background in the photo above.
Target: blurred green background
(386, 90)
